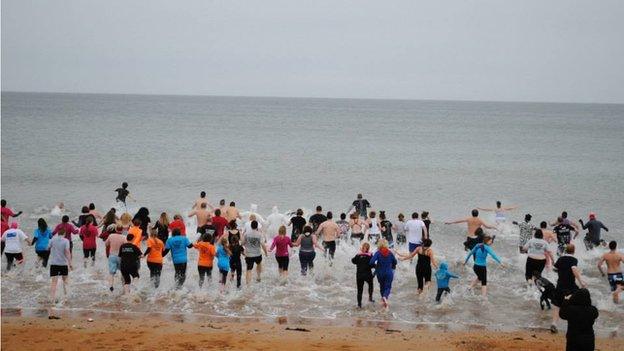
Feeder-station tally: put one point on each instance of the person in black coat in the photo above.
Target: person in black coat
(581, 315)
(364, 273)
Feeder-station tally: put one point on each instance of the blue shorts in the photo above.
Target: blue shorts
(615, 279)
(412, 246)
(113, 264)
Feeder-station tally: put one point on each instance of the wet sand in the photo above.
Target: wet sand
(71, 333)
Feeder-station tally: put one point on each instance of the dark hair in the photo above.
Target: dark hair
(202, 194)
(543, 225)
(92, 206)
(424, 214)
(176, 232)
(612, 245)
(539, 234)
(475, 213)
(232, 203)
(124, 185)
(217, 212)
(581, 297)
(299, 212)
(3, 202)
(498, 204)
(414, 215)
(343, 216)
(137, 222)
(564, 214)
(319, 208)
(222, 202)
(382, 215)
(206, 237)
(479, 231)
(527, 217)
(307, 229)
(130, 237)
(254, 225)
(65, 219)
(330, 215)
(372, 214)
(203, 205)
(89, 220)
(42, 225)
(427, 242)
(401, 216)
(232, 224)
(85, 209)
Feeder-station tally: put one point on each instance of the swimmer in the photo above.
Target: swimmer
(473, 224)
(297, 222)
(385, 264)
(206, 257)
(414, 229)
(614, 259)
(480, 253)
(426, 259)
(593, 226)
(60, 262)
(307, 242)
(154, 255)
(253, 242)
(499, 211)
(568, 272)
(328, 231)
(317, 218)
(41, 239)
(357, 228)
(88, 235)
(364, 273)
(122, 194)
(538, 256)
(373, 233)
(443, 276)
(564, 236)
(13, 238)
(178, 244)
(113, 243)
(280, 244)
(236, 266)
(223, 260)
(360, 205)
(129, 255)
(201, 213)
(526, 232)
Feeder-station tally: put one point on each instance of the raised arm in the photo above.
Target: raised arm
(486, 209)
(457, 221)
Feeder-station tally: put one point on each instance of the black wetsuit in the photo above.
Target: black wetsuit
(298, 223)
(423, 270)
(316, 220)
(122, 194)
(364, 275)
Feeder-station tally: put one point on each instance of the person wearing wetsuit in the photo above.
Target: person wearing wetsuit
(364, 273)
(564, 236)
(442, 277)
(581, 315)
(129, 267)
(307, 242)
(317, 218)
(178, 245)
(480, 252)
(423, 265)
(361, 205)
(122, 193)
(385, 264)
(593, 226)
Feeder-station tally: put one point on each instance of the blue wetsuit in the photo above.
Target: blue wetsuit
(385, 263)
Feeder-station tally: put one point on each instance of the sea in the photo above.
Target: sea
(404, 156)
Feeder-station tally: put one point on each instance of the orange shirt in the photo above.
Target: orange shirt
(156, 247)
(207, 253)
(137, 232)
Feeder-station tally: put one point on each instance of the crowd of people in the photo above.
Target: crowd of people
(226, 237)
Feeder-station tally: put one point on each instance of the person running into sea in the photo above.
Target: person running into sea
(473, 224)
(122, 194)
(162, 225)
(423, 266)
(499, 211)
(343, 224)
(236, 266)
(581, 315)
(526, 232)
(549, 235)
(415, 229)
(60, 262)
(126, 222)
(136, 231)
(202, 215)
(480, 253)
(306, 243)
(357, 228)
(568, 272)
(424, 216)
(143, 215)
(88, 235)
(154, 254)
(317, 218)
(220, 224)
(129, 255)
(399, 228)
(178, 244)
(201, 201)
(6, 212)
(386, 228)
(364, 273)
(280, 244)
(254, 247)
(41, 239)
(82, 219)
(68, 228)
(232, 213)
(361, 205)
(113, 243)
(328, 231)
(205, 261)
(110, 218)
(223, 260)
(95, 213)
(13, 238)
(178, 223)
(297, 222)
(593, 226)
(564, 236)
(538, 256)
(614, 259)
(373, 233)
(385, 263)
(443, 276)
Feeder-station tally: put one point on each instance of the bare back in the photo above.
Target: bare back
(613, 259)
(329, 230)
(474, 223)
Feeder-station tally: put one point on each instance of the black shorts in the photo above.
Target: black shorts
(560, 295)
(14, 256)
(533, 266)
(88, 253)
(470, 243)
(282, 262)
(58, 270)
(481, 272)
(251, 260)
(43, 254)
(358, 236)
(128, 272)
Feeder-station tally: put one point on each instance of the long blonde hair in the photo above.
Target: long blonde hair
(382, 243)
(281, 230)
(125, 219)
(164, 219)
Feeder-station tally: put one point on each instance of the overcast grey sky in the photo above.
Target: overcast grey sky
(468, 50)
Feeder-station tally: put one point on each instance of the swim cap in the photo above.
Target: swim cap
(592, 215)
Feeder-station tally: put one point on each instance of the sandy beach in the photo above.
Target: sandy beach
(29, 333)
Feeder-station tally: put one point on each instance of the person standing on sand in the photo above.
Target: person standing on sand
(568, 273)
(254, 246)
(616, 279)
(178, 244)
(113, 243)
(328, 231)
(581, 315)
(361, 205)
(480, 253)
(473, 224)
(499, 211)
(60, 262)
(385, 264)
(129, 255)
(364, 273)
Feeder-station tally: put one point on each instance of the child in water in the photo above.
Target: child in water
(223, 260)
(443, 276)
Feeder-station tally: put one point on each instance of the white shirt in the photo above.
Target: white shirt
(13, 239)
(414, 229)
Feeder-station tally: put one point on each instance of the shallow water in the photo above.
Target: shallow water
(446, 157)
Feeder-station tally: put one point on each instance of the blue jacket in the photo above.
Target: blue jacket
(443, 276)
(481, 252)
(384, 263)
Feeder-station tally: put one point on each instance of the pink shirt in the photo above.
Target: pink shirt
(114, 242)
(69, 230)
(6, 213)
(282, 243)
(88, 233)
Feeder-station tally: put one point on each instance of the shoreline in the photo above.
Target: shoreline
(157, 333)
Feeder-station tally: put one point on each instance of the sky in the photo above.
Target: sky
(494, 50)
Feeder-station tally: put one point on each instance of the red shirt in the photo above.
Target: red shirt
(88, 233)
(5, 227)
(69, 230)
(6, 213)
(178, 224)
(220, 223)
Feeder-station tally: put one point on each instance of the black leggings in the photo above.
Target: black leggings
(12, 256)
(442, 291)
(180, 274)
(203, 272)
(238, 268)
(360, 289)
(423, 275)
(224, 275)
(155, 270)
(44, 257)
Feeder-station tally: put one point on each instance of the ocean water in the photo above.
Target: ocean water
(443, 156)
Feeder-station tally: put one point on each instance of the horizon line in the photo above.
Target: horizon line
(311, 97)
